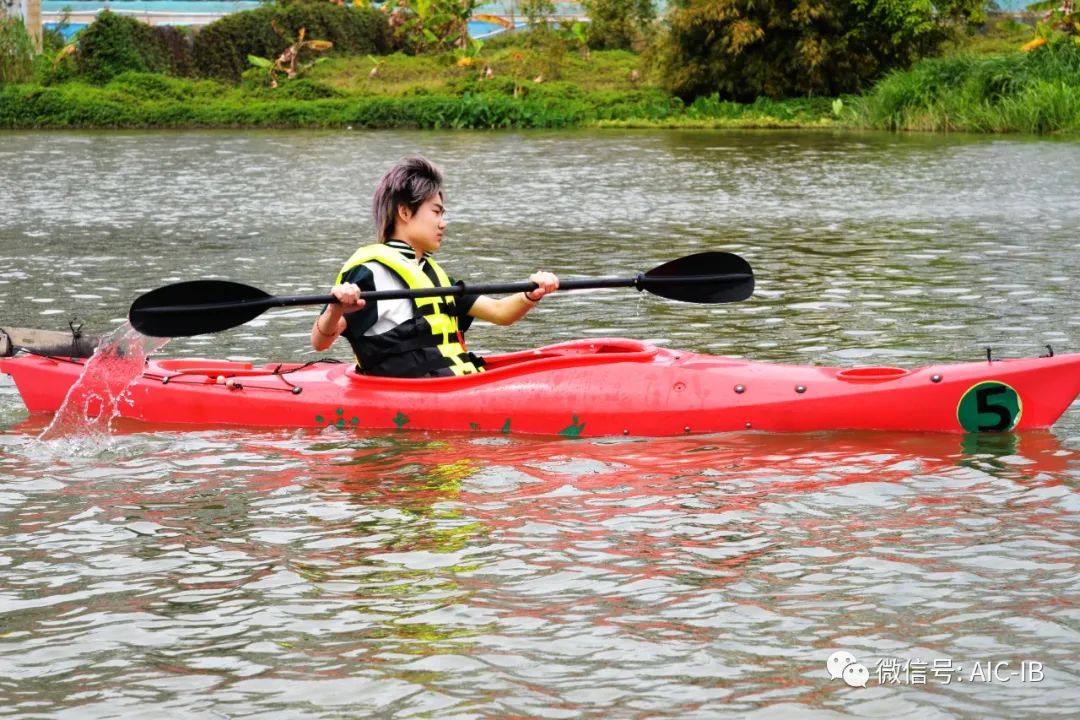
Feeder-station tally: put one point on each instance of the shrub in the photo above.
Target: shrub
(426, 25)
(221, 49)
(176, 44)
(306, 89)
(743, 49)
(114, 44)
(536, 12)
(618, 24)
(16, 52)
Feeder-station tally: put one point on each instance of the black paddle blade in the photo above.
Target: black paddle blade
(196, 307)
(708, 277)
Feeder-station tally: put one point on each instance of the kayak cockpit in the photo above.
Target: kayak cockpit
(574, 353)
(599, 350)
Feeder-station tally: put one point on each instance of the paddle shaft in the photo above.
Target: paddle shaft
(461, 288)
(205, 306)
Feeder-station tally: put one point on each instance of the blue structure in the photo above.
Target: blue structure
(202, 12)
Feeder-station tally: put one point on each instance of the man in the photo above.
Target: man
(424, 337)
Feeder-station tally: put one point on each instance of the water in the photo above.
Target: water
(326, 575)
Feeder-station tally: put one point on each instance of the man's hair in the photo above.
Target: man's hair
(410, 182)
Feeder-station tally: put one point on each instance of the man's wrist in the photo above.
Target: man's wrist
(319, 328)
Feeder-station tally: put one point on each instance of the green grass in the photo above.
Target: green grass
(982, 84)
(510, 86)
(1001, 35)
(400, 74)
(1036, 92)
(135, 100)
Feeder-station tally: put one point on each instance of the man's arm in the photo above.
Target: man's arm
(331, 321)
(510, 309)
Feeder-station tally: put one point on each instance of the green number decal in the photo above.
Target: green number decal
(989, 407)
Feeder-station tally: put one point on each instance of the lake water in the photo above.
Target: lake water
(339, 574)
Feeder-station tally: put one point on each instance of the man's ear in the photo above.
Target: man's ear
(404, 213)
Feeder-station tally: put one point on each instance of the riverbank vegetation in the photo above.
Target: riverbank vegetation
(1033, 92)
(708, 63)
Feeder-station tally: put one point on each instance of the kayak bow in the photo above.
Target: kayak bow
(585, 388)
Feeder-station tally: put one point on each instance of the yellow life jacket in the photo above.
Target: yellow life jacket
(434, 329)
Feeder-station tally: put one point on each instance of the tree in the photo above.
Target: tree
(618, 24)
(427, 25)
(743, 49)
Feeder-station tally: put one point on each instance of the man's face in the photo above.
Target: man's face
(424, 228)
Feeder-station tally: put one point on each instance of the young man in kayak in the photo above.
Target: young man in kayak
(412, 338)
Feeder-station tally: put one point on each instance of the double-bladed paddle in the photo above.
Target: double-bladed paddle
(208, 306)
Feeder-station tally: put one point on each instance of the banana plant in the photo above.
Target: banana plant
(288, 62)
(1060, 18)
(435, 24)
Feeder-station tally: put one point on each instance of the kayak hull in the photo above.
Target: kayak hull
(582, 388)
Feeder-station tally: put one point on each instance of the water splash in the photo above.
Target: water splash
(83, 424)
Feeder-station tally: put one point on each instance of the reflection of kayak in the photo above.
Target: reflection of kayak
(584, 388)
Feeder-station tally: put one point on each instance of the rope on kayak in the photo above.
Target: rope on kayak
(309, 363)
(294, 389)
(231, 383)
(57, 358)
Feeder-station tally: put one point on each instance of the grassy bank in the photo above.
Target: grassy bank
(398, 91)
(1035, 92)
(136, 100)
(984, 84)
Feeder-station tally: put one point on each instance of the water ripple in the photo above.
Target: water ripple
(289, 574)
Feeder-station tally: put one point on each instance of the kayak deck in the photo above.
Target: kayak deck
(599, 387)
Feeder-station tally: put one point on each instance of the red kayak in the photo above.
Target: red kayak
(583, 388)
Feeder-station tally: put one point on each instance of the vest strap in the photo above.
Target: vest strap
(434, 328)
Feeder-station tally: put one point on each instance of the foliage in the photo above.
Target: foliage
(999, 34)
(53, 39)
(1035, 92)
(619, 24)
(221, 49)
(537, 12)
(777, 48)
(1061, 17)
(115, 44)
(431, 25)
(497, 64)
(288, 62)
(16, 52)
(176, 43)
(509, 83)
(135, 100)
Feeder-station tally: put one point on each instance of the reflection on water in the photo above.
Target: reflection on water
(299, 575)
(409, 574)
